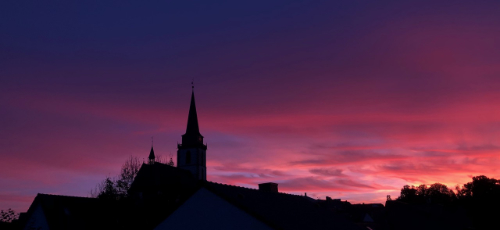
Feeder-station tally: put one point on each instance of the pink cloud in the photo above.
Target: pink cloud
(409, 99)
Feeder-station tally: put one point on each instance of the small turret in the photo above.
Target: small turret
(151, 156)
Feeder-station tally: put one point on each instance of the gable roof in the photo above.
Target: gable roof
(281, 210)
(206, 210)
(68, 212)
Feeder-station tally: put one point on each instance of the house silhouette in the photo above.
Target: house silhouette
(166, 197)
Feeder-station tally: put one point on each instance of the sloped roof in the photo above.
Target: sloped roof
(277, 210)
(68, 212)
(158, 175)
(281, 210)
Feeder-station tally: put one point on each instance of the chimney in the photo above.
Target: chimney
(268, 187)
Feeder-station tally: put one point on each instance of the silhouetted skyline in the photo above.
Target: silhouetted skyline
(349, 99)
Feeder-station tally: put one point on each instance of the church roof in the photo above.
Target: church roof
(159, 176)
(281, 210)
(277, 210)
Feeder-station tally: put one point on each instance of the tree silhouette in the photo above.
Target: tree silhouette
(481, 188)
(435, 193)
(408, 194)
(111, 188)
(128, 172)
(480, 198)
(171, 162)
(8, 216)
(440, 193)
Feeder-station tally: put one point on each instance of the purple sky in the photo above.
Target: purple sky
(348, 99)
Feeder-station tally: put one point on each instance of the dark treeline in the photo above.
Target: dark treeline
(480, 198)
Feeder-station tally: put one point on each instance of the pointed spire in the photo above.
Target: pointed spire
(151, 153)
(192, 137)
(192, 124)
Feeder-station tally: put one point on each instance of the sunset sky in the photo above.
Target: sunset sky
(347, 99)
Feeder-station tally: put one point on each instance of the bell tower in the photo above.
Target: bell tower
(191, 153)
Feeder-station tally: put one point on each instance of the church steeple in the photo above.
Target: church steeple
(192, 125)
(152, 156)
(191, 153)
(192, 137)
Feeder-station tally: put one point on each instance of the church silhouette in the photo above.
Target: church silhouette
(166, 197)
